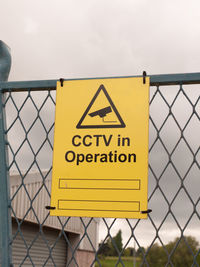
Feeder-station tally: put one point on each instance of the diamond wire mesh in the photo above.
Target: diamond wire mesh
(174, 182)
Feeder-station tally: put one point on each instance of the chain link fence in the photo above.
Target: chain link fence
(171, 231)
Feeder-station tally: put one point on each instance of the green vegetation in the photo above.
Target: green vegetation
(111, 262)
(180, 252)
(112, 246)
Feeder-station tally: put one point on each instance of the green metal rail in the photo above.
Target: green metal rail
(155, 80)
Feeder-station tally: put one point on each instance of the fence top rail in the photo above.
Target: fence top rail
(155, 80)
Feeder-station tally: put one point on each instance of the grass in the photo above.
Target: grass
(112, 261)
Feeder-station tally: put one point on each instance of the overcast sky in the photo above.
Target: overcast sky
(98, 38)
(51, 39)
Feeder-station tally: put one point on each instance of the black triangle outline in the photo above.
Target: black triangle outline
(121, 125)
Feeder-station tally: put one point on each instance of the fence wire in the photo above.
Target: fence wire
(171, 231)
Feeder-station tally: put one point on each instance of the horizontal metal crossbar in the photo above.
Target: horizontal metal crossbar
(155, 80)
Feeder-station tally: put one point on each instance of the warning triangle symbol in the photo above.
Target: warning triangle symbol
(101, 113)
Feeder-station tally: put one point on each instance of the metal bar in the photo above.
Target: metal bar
(174, 79)
(5, 217)
(163, 79)
(23, 86)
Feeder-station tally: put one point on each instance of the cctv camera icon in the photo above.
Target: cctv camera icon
(101, 112)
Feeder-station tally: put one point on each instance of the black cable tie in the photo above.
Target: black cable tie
(146, 211)
(61, 82)
(144, 77)
(50, 208)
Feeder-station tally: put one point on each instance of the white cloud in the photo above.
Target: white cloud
(30, 26)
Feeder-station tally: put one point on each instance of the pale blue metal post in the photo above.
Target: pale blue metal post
(5, 61)
(5, 216)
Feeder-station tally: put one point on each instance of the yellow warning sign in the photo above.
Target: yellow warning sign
(100, 157)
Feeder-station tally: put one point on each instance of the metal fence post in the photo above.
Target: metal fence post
(5, 216)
